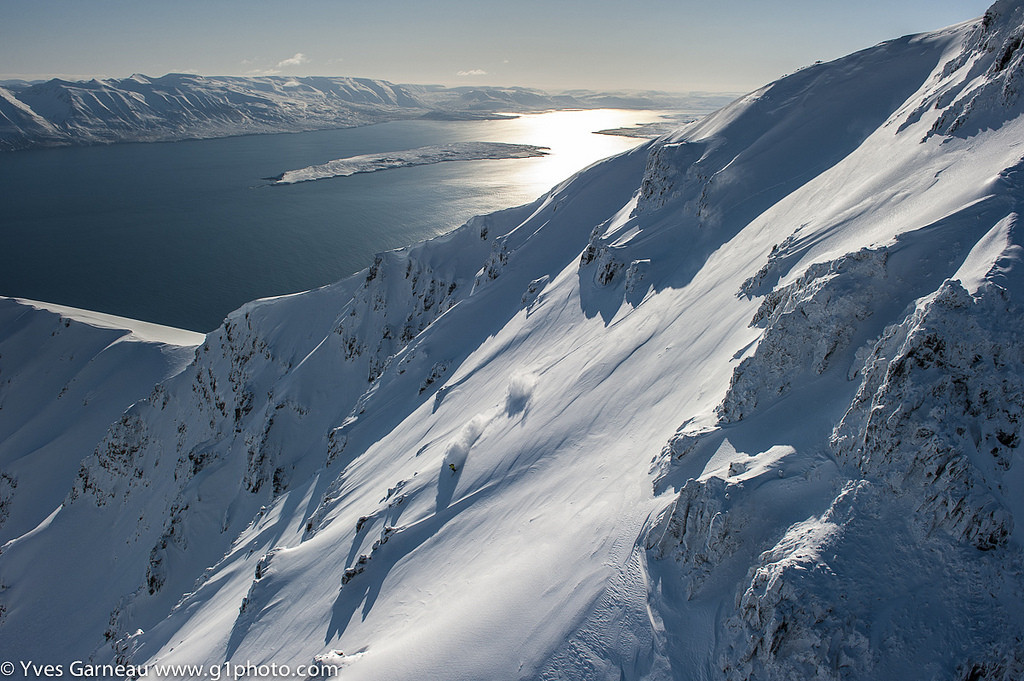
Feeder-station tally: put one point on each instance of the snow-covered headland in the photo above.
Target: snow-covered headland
(669, 123)
(438, 153)
(742, 403)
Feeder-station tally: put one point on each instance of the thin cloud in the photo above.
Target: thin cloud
(298, 59)
(472, 72)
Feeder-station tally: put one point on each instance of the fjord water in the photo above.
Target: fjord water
(182, 233)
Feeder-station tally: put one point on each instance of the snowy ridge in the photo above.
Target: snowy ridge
(984, 80)
(90, 368)
(186, 106)
(743, 403)
(182, 106)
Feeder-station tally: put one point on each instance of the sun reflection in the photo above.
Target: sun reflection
(571, 139)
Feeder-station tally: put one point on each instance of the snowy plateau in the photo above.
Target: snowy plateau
(742, 403)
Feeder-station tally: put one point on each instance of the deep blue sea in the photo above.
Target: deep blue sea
(182, 233)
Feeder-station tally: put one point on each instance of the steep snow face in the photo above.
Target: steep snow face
(19, 125)
(743, 403)
(900, 559)
(980, 88)
(79, 369)
(181, 106)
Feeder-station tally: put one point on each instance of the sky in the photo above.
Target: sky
(674, 45)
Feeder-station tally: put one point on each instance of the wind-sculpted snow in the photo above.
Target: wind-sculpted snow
(922, 460)
(923, 457)
(743, 403)
(928, 439)
(938, 414)
(923, 452)
(984, 80)
(807, 322)
(371, 163)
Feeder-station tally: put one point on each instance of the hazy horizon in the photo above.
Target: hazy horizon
(734, 46)
(553, 90)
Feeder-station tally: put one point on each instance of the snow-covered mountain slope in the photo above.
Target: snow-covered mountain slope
(743, 403)
(183, 106)
(65, 375)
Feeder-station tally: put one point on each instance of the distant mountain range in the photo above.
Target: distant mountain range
(183, 106)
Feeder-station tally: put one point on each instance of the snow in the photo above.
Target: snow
(669, 124)
(986, 253)
(744, 402)
(77, 368)
(184, 106)
(439, 153)
(138, 330)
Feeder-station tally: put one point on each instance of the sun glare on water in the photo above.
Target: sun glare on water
(573, 144)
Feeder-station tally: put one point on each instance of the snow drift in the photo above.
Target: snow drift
(743, 403)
